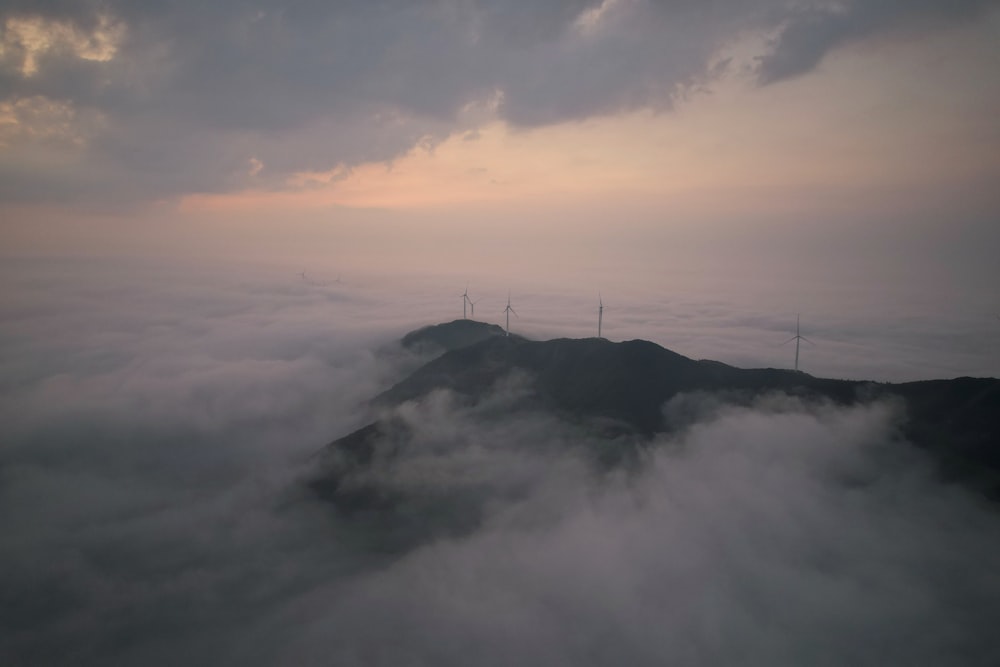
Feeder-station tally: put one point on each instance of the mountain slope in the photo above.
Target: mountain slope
(593, 377)
(620, 389)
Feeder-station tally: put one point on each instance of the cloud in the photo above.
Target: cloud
(157, 420)
(30, 39)
(808, 33)
(778, 533)
(190, 93)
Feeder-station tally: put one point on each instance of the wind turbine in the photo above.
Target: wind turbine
(472, 307)
(465, 302)
(508, 310)
(798, 337)
(600, 314)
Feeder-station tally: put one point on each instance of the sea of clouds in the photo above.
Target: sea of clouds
(159, 420)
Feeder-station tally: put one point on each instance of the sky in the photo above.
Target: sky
(352, 130)
(216, 219)
(767, 153)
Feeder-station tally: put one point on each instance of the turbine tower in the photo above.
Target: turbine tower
(600, 313)
(508, 310)
(465, 302)
(798, 338)
(472, 307)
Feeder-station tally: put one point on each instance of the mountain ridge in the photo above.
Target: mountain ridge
(618, 388)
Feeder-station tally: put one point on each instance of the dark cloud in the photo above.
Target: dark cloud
(807, 34)
(197, 90)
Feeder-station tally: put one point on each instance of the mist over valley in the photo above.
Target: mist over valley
(166, 425)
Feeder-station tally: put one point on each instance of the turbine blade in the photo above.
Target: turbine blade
(807, 340)
(789, 340)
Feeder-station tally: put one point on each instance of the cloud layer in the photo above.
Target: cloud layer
(771, 535)
(156, 422)
(161, 99)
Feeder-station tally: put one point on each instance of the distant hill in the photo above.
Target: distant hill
(439, 338)
(620, 389)
(593, 377)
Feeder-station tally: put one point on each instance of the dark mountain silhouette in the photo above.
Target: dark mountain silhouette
(618, 390)
(593, 377)
(444, 337)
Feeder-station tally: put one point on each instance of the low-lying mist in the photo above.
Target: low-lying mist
(158, 430)
(773, 534)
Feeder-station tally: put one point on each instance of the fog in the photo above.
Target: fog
(159, 419)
